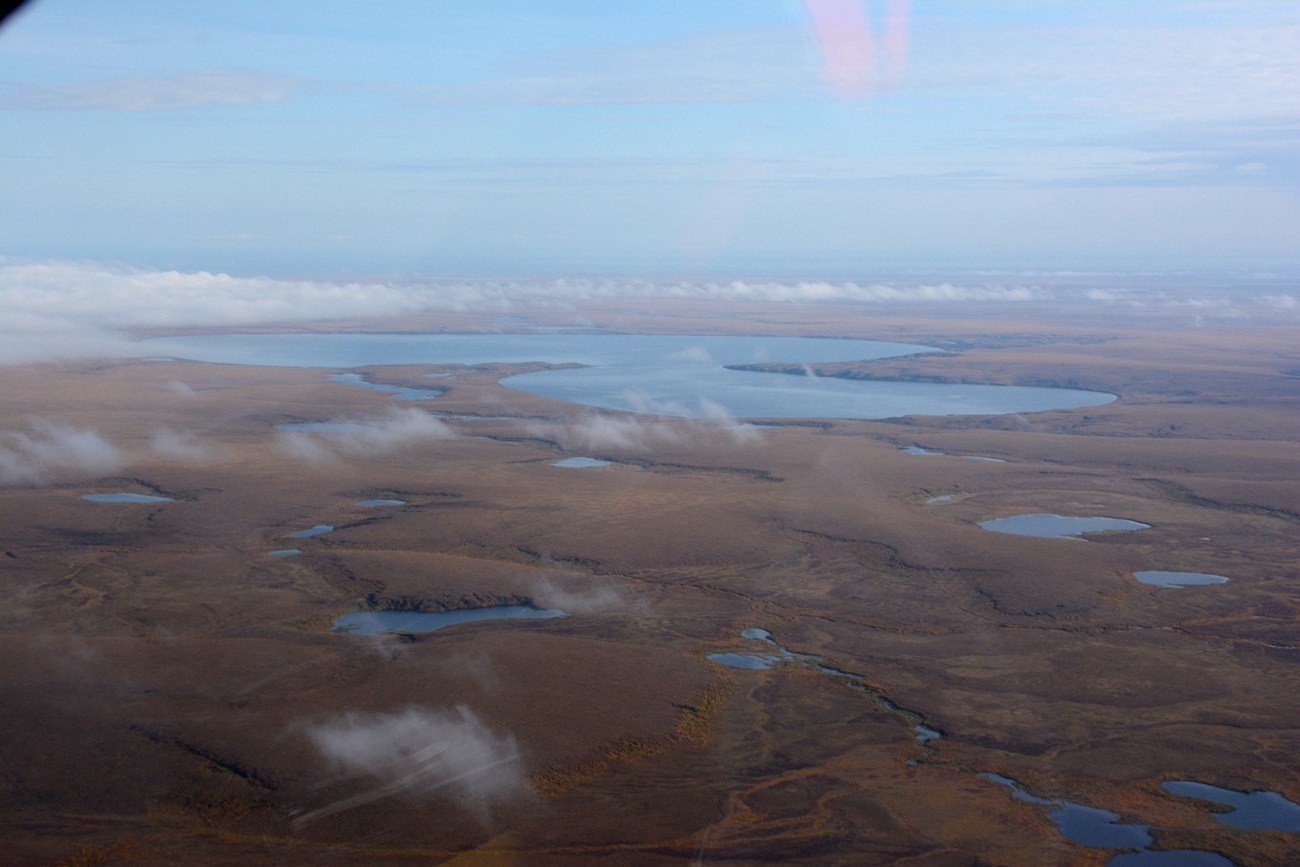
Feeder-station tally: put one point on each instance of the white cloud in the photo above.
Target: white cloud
(397, 429)
(1281, 301)
(54, 451)
(182, 445)
(603, 432)
(154, 93)
(590, 600)
(177, 387)
(419, 752)
(63, 309)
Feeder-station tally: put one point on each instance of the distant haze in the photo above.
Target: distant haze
(695, 137)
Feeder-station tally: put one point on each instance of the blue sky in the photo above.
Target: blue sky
(688, 137)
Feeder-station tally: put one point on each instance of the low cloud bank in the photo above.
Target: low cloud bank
(54, 451)
(419, 752)
(398, 429)
(67, 309)
(48, 452)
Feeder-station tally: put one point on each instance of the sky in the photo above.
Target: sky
(704, 138)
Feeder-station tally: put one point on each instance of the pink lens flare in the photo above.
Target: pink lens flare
(854, 60)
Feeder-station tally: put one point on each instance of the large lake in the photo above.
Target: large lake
(677, 375)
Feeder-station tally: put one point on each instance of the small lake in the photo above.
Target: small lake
(370, 504)
(1258, 810)
(1093, 826)
(284, 552)
(317, 530)
(377, 622)
(918, 450)
(1059, 526)
(126, 498)
(744, 660)
(1179, 579)
(581, 463)
(400, 392)
(676, 375)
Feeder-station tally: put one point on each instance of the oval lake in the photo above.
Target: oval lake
(677, 375)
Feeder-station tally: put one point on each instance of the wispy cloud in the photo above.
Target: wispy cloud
(154, 93)
(54, 451)
(182, 445)
(419, 752)
(549, 593)
(625, 433)
(397, 429)
(63, 309)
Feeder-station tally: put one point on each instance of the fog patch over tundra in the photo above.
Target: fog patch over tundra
(419, 752)
(396, 429)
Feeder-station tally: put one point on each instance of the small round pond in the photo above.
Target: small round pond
(1046, 526)
(1179, 579)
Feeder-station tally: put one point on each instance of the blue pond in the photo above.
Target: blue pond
(1262, 810)
(744, 660)
(283, 552)
(1092, 826)
(1088, 826)
(1058, 526)
(125, 498)
(1179, 579)
(580, 463)
(372, 503)
(376, 622)
(313, 531)
(680, 375)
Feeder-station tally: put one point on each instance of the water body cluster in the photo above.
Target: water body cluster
(782, 655)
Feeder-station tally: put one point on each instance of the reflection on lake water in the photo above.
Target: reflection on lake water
(375, 622)
(369, 504)
(580, 463)
(283, 552)
(679, 375)
(1059, 526)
